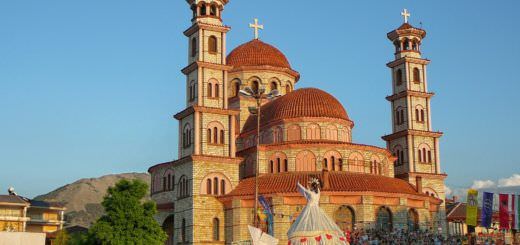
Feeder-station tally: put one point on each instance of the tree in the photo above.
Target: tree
(128, 220)
(62, 238)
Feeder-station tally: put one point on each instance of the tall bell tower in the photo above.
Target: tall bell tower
(206, 123)
(413, 140)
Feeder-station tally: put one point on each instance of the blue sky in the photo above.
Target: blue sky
(88, 88)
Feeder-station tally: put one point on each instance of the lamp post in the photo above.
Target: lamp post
(257, 94)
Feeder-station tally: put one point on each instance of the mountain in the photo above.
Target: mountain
(83, 198)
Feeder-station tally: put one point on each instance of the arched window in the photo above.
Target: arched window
(193, 90)
(183, 230)
(186, 139)
(356, 162)
(273, 86)
(419, 114)
(293, 133)
(216, 229)
(399, 153)
(331, 160)
(313, 132)
(399, 115)
(222, 187)
(183, 187)
(416, 75)
(414, 45)
(169, 181)
(255, 86)
(215, 186)
(236, 87)
(213, 10)
(202, 9)
(275, 162)
(331, 132)
(288, 88)
(406, 44)
(397, 45)
(222, 137)
(285, 165)
(208, 186)
(424, 153)
(398, 77)
(168, 227)
(212, 44)
(210, 90)
(217, 92)
(215, 135)
(305, 161)
(278, 135)
(208, 134)
(193, 47)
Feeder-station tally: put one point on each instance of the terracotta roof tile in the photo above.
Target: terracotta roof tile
(339, 181)
(304, 102)
(257, 53)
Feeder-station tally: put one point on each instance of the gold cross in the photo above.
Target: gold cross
(256, 26)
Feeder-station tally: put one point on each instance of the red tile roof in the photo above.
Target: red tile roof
(257, 53)
(304, 102)
(338, 182)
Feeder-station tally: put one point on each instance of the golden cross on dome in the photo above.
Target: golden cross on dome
(256, 26)
(406, 15)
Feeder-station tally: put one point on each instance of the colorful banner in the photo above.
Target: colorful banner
(504, 211)
(267, 210)
(516, 212)
(471, 208)
(487, 210)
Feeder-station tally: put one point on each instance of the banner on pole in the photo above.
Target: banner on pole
(504, 211)
(516, 212)
(472, 207)
(487, 210)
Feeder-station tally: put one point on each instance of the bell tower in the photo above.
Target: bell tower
(413, 140)
(206, 123)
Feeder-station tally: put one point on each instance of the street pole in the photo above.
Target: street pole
(258, 98)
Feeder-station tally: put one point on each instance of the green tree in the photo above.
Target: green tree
(128, 220)
(62, 238)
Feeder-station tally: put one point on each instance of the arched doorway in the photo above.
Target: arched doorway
(413, 220)
(168, 227)
(384, 219)
(345, 218)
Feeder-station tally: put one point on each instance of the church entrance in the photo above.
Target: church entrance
(413, 220)
(384, 219)
(168, 227)
(345, 218)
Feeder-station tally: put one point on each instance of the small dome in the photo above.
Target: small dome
(305, 102)
(257, 53)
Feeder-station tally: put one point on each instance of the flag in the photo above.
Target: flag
(487, 210)
(516, 212)
(471, 208)
(504, 211)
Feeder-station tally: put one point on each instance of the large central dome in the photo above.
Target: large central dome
(257, 53)
(301, 103)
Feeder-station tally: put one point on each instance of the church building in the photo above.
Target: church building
(226, 155)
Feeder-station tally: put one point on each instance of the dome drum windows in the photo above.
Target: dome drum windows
(332, 161)
(278, 163)
(293, 133)
(356, 163)
(313, 132)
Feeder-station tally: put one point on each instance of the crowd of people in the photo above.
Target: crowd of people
(402, 237)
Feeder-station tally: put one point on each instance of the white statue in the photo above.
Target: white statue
(313, 225)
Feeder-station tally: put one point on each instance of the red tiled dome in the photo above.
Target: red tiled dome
(257, 53)
(305, 102)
